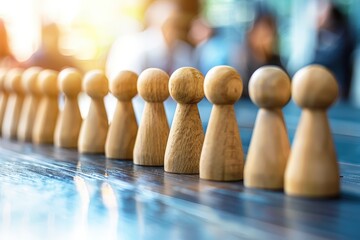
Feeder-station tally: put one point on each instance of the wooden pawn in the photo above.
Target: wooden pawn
(186, 135)
(269, 88)
(14, 104)
(30, 105)
(69, 122)
(222, 157)
(3, 97)
(95, 126)
(121, 136)
(153, 130)
(46, 116)
(312, 169)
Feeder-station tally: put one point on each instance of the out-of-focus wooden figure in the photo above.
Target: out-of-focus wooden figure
(69, 122)
(3, 97)
(47, 114)
(312, 169)
(30, 105)
(153, 130)
(14, 104)
(95, 126)
(186, 133)
(121, 136)
(222, 157)
(269, 149)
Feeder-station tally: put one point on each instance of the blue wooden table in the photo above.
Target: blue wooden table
(51, 193)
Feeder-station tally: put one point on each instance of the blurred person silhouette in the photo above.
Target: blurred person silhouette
(163, 44)
(259, 48)
(48, 55)
(7, 59)
(213, 46)
(335, 44)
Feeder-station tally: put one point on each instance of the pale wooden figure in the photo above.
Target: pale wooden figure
(30, 105)
(186, 134)
(269, 89)
(121, 136)
(47, 114)
(69, 122)
(222, 157)
(95, 126)
(312, 169)
(153, 130)
(14, 104)
(3, 97)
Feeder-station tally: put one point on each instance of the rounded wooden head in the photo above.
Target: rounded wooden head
(314, 87)
(47, 80)
(30, 80)
(270, 87)
(186, 85)
(223, 85)
(95, 84)
(2, 79)
(152, 85)
(13, 81)
(123, 86)
(70, 82)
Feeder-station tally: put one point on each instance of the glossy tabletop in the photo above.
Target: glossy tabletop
(52, 193)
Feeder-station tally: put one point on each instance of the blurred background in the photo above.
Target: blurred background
(136, 34)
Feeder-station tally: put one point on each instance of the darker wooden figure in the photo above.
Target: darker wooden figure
(186, 134)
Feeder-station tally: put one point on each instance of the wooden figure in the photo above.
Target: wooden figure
(222, 157)
(69, 122)
(121, 136)
(3, 97)
(269, 88)
(46, 116)
(95, 126)
(153, 130)
(14, 104)
(312, 169)
(186, 136)
(30, 105)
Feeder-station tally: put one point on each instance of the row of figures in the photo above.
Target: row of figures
(29, 112)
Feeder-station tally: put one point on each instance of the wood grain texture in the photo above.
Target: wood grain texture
(186, 135)
(222, 157)
(47, 114)
(152, 136)
(14, 104)
(269, 88)
(69, 122)
(122, 132)
(185, 141)
(95, 126)
(30, 105)
(312, 169)
(153, 130)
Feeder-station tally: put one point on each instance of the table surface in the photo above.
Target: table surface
(52, 193)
